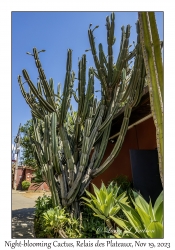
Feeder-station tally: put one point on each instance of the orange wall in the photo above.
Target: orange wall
(38, 187)
(23, 174)
(19, 178)
(141, 136)
(29, 174)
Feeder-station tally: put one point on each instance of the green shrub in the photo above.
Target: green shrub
(93, 226)
(57, 223)
(123, 182)
(42, 205)
(25, 185)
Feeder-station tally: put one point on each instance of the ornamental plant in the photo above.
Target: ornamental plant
(25, 185)
(70, 154)
(144, 220)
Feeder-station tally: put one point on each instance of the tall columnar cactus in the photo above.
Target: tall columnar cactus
(151, 47)
(70, 146)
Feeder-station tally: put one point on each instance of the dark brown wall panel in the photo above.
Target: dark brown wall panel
(146, 134)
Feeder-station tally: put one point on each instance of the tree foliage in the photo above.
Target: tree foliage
(28, 156)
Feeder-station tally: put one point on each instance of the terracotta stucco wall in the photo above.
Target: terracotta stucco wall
(146, 134)
(28, 174)
(141, 136)
(23, 174)
(19, 178)
(38, 187)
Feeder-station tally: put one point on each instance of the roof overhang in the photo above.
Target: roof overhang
(138, 113)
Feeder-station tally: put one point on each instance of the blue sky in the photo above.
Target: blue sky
(56, 32)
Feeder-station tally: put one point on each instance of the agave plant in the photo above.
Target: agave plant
(145, 221)
(105, 203)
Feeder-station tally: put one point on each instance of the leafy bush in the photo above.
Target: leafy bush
(42, 205)
(93, 226)
(57, 223)
(25, 185)
(54, 222)
(123, 182)
(38, 177)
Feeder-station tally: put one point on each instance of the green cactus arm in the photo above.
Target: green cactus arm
(88, 97)
(87, 176)
(66, 93)
(30, 103)
(35, 128)
(47, 142)
(86, 179)
(140, 85)
(104, 143)
(150, 40)
(136, 81)
(115, 104)
(94, 118)
(157, 50)
(87, 144)
(81, 98)
(47, 89)
(51, 85)
(68, 153)
(63, 189)
(52, 186)
(122, 57)
(97, 156)
(59, 90)
(73, 115)
(46, 105)
(93, 134)
(37, 114)
(81, 83)
(134, 85)
(72, 77)
(153, 63)
(21, 87)
(39, 87)
(37, 151)
(96, 61)
(75, 97)
(123, 36)
(110, 41)
(96, 75)
(118, 144)
(67, 88)
(103, 61)
(54, 141)
(74, 195)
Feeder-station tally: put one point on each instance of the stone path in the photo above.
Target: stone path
(23, 214)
